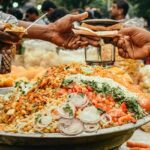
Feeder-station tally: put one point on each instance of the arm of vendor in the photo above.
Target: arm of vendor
(59, 33)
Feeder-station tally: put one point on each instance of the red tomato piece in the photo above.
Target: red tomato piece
(124, 107)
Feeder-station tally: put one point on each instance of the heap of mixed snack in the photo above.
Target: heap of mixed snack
(72, 99)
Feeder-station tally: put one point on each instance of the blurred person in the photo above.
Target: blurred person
(48, 7)
(90, 14)
(87, 9)
(119, 9)
(32, 15)
(57, 14)
(27, 5)
(97, 14)
(77, 11)
(133, 43)
(16, 12)
(94, 14)
(93, 8)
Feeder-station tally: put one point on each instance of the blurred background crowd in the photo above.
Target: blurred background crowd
(30, 10)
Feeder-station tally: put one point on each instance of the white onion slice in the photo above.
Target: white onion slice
(70, 126)
(44, 121)
(83, 106)
(77, 99)
(105, 119)
(89, 115)
(67, 114)
(91, 127)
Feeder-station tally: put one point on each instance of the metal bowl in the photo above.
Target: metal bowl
(108, 138)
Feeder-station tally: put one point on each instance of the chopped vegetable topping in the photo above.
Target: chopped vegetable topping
(68, 109)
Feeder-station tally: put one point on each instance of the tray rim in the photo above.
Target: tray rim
(105, 131)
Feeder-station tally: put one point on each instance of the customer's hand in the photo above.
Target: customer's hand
(63, 35)
(7, 37)
(133, 43)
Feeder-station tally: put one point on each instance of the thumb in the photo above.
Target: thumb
(79, 17)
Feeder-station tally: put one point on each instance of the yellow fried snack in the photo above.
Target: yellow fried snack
(13, 28)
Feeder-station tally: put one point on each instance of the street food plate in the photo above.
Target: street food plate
(106, 22)
(85, 31)
(110, 137)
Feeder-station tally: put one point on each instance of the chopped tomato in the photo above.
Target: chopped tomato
(77, 88)
(116, 113)
(124, 107)
(102, 106)
(94, 102)
(70, 91)
(90, 89)
(110, 98)
(90, 95)
(125, 119)
(84, 90)
(60, 92)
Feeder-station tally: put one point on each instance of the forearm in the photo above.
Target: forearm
(43, 32)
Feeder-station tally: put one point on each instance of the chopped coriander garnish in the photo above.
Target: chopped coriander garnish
(68, 109)
(67, 67)
(101, 111)
(37, 118)
(82, 95)
(67, 82)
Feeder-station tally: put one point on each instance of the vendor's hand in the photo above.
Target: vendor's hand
(133, 43)
(63, 35)
(7, 37)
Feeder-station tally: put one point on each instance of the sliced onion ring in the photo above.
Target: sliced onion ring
(89, 115)
(87, 102)
(64, 114)
(77, 99)
(91, 127)
(105, 119)
(43, 122)
(70, 126)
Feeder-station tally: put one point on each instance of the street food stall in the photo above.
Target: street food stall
(75, 105)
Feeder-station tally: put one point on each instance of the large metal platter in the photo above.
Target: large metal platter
(104, 138)
(106, 22)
